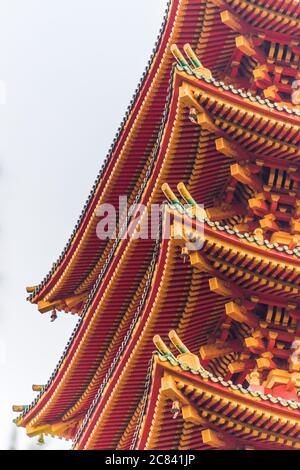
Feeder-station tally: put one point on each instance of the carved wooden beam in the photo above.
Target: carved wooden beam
(18, 408)
(225, 211)
(258, 204)
(31, 289)
(72, 302)
(44, 306)
(37, 388)
(206, 122)
(234, 22)
(254, 344)
(247, 46)
(218, 349)
(188, 99)
(241, 315)
(191, 415)
(230, 149)
(217, 440)
(170, 390)
(32, 431)
(269, 223)
(271, 93)
(244, 175)
(265, 361)
(200, 262)
(241, 366)
(295, 226)
(224, 288)
(261, 76)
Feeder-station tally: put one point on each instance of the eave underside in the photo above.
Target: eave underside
(183, 140)
(236, 420)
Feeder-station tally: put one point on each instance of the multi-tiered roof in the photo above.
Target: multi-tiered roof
(225, 122)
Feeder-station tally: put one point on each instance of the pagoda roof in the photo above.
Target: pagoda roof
(110, 311)
(244, 417)
(85, 256)
(284, 125)
(248, 97)
(125, 289)
(169, 290)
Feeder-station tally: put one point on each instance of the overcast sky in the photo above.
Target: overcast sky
(70, 68)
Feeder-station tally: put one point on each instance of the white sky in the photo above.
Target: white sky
(70, 67)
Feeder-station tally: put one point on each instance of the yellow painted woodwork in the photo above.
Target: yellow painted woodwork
(219, 287)
(244, 175)
(284, 238)
(31, 289)
(161, 345)
(240, 314)
(185, 194)
(258, 203)
(169, 193)
(245, 46)
(224, 211)
(212, 439)
(190, 360)
(176, 341)
(177, 53)
(45, 307)
(271, 93)
(37, 388)
(231, 21)
(18, 408)
(254, 343)
(32, 431)
(197, 261)
(237, 367)
(190, 52)
(170, 390)
(205, 121)
(72, 302)
(212, 351)
(269, 223)
(58, 429)
(265, 361)
(235, 418)
(282, 377)
(190, 414)
(295, 226)
(227, 148)
(188, 99)
(261, 73)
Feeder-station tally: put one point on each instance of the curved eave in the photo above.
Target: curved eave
(87, 262)
(247, 101)
(164, 154)
(211, 235)
(56, 393)
(165, 158)
(152, 429)
(183, 24)
(227, 241)
(281, 271)
(231, 238)
(120, 141)
(100, 288)
(134, 361)
(187, 21)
